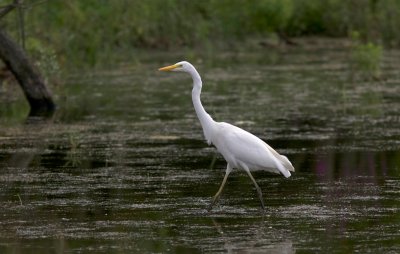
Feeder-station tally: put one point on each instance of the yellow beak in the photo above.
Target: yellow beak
(169, 68)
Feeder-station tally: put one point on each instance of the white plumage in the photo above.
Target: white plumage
(239, 148)
(243, 150)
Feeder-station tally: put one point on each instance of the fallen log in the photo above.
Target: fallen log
(28, 77)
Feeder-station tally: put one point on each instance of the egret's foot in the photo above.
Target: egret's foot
(211, 205)
(260, 196)
(264, 213)
(262, 206)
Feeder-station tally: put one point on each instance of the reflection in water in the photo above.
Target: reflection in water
(133, 174)
(332, 165)
(347, 165)
(20, 159)
(262, 240)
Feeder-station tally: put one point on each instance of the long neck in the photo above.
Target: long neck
(205, 119)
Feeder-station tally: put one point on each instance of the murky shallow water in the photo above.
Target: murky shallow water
(123, 167)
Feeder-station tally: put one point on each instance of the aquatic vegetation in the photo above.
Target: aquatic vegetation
(72, 156)
(45, 58)
(366, 57)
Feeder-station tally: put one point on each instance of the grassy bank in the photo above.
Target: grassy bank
(96, 31)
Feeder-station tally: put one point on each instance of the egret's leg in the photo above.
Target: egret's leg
(215, 198)
(257, 188)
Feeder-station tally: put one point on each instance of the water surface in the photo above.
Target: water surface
(123, 167)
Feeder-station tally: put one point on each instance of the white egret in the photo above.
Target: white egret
(240, 149)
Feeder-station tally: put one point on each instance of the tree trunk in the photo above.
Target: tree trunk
(30, 80)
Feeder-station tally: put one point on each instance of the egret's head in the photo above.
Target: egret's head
(180, 66)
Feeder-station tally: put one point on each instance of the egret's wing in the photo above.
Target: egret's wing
(249, 149)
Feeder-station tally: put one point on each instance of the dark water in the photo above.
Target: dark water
(123, 167)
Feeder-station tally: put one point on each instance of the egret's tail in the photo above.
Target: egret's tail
(284, 166)
(286, 163)
(282, 162)
(285, 172)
